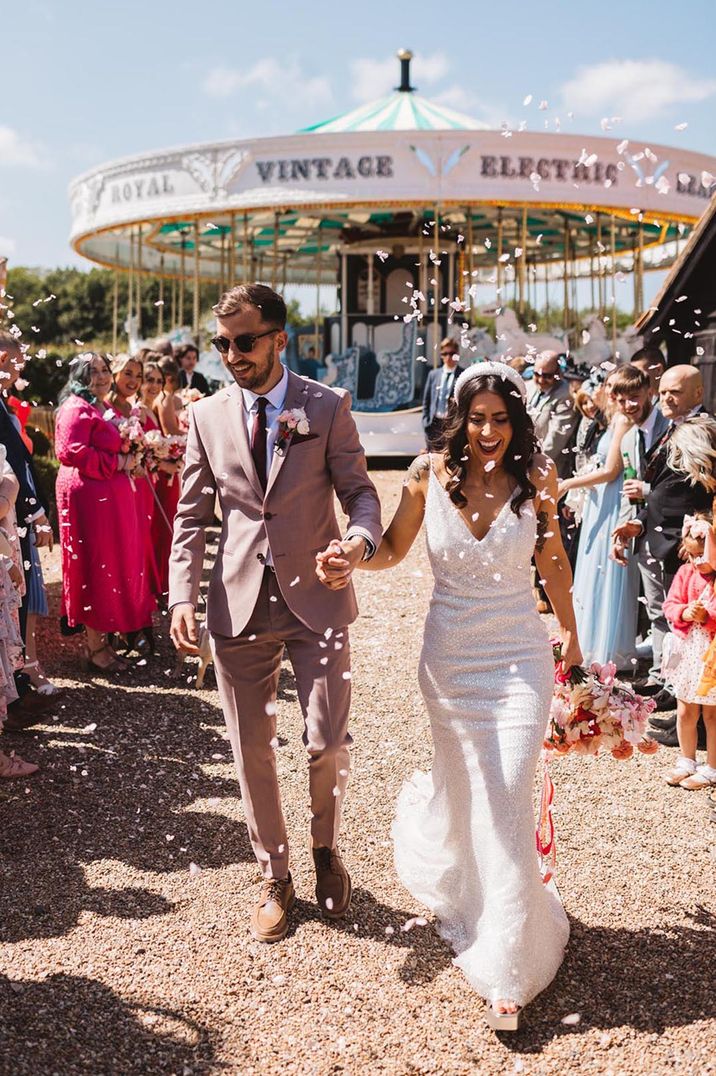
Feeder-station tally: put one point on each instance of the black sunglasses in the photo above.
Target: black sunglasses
(243, 343)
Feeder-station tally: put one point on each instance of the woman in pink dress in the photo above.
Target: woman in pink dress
(105, 583)
(167, 406)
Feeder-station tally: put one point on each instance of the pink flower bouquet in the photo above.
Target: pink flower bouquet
(592, 711)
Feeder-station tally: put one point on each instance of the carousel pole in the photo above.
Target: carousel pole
(613, 243)
(182, 280)
(591, 278)
(566, 317)
(546, 293)
(222, 264)
(284, 273)
(344, 301)
(470, 264)
(139, 281)
(232, 251)
(196, 283)
(600, 274)
(245, 251)
(641, 268)
(174, 303)
(115, 311)
(635, 277)
(369, 303)
(436, 287)
(130, 284)
(274, 261)
(523, 263)
(160, 309)
(318, 291)
(499, 256)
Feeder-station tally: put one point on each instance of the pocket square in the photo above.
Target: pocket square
(299, 438)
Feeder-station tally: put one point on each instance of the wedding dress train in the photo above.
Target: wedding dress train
(464, 834)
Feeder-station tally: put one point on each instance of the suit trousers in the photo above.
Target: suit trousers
(247, 671)
(656, 583)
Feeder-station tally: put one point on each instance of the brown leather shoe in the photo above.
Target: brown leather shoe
(333, 883)
(269, 921)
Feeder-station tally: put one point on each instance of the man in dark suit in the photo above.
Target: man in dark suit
(670, 496)
(31, 512)
(187, 356)
(439, 387)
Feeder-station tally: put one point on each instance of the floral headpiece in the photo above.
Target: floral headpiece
(695, 528)
(484, 369)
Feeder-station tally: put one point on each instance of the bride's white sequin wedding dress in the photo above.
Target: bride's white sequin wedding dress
(465, 833)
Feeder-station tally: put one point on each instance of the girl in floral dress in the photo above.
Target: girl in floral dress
(690, 608)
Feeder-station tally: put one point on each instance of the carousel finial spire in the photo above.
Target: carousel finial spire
(405, 56)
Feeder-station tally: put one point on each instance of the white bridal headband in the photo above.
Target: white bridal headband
(483, 369)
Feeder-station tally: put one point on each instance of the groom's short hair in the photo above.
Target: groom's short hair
(265, 299)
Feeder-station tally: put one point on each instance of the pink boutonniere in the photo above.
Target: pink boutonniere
(290, 422)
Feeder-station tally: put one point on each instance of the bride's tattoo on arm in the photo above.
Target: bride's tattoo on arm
(419, 467)
(543, 532)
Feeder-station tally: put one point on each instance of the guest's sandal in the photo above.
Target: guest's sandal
(14, 766)
(684, 767)
(115, 665)
(40, 682)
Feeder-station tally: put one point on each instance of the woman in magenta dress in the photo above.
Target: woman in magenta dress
(105, 583)
(167, 407)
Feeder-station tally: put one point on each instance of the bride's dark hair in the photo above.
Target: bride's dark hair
(520, 452)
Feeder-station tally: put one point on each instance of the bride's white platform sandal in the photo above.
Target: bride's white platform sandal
(503, 1021)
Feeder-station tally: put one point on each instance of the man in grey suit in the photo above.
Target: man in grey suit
(276, 449)
(439, 387)
(552, 412)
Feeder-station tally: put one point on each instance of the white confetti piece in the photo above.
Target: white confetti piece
(572, 1019)
(194, 870)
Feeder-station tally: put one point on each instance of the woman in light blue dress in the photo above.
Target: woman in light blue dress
(605, 594)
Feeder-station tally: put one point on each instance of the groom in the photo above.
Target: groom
(275, 447)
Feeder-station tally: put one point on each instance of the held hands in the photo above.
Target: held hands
(621, 537)
(183, 628)
(335, 565)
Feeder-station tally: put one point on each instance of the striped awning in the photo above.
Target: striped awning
(400, 111)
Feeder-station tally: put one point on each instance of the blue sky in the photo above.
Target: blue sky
(87, 82)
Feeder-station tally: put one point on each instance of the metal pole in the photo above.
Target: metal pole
(174, 303)
(565, 266)
(369, 304)
(436, 287)
(523, 262)
(600, 267)
(160, 315)
(546, 293)
(274, 262)
(635, 277)
(130, 282)
(284, 274)
(499, 256)
(641, 267)
(196, 281)
(614, 287)
(181, 279)
(470, 264)
(232, 251)
(139, 282)
(318, 291)
(246, 249)
(115, 311)
(344, 300)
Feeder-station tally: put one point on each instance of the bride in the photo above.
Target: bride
(465, 833)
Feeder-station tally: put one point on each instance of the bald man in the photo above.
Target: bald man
(657, 526)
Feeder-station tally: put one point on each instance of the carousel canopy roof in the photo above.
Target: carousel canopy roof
(402, 110)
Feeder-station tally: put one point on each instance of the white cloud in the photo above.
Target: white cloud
(270, 80)
(7, 246)
(373, 78)
(16, 150)
(634, 89)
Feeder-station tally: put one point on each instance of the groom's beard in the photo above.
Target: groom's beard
(252, 374)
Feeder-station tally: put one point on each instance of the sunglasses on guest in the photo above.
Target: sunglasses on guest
(244, 343)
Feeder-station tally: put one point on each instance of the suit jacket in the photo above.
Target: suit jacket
(555, 421)
(432, 389)
(28, 504)
(671, 497)
(630, 445)
(198, 381)
(294, 518)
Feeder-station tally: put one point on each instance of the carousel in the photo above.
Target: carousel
(410, 211)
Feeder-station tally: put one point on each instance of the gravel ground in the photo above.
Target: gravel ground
(127, 881)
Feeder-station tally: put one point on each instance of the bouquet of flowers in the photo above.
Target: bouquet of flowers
(190, 396)
(133, 444)
(156, 450)
(591, 711)
(175, 449)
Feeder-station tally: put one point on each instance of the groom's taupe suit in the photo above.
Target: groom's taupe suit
(253, 611)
